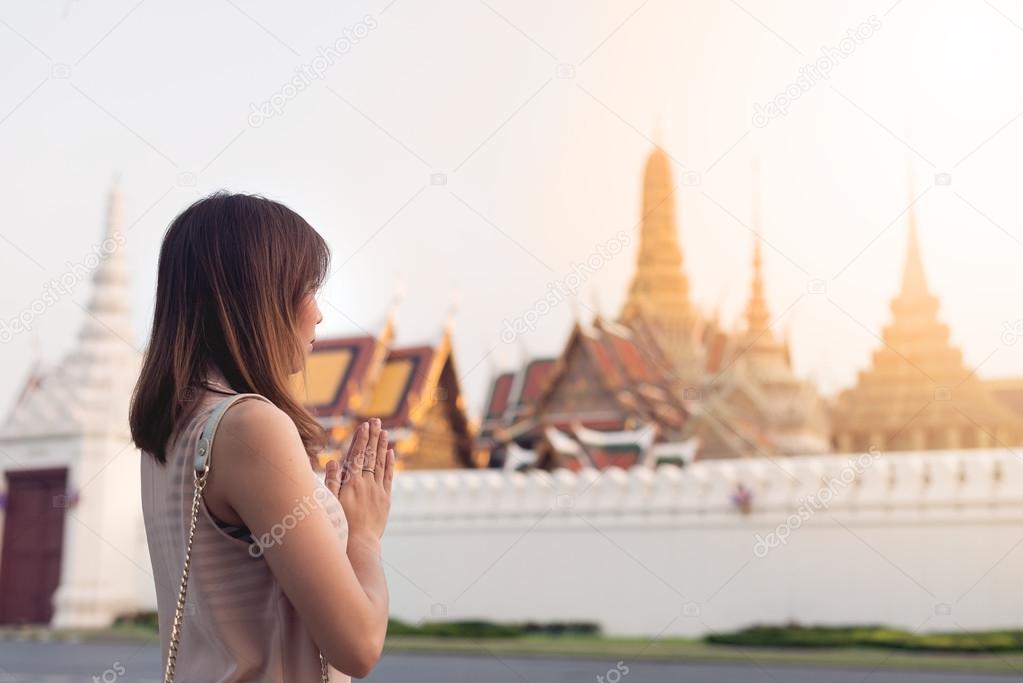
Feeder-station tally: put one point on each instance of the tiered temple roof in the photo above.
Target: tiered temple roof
(414, 390)
(918, 394)
(512, 395)
(607, 378)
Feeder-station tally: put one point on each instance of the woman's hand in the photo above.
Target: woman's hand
(363, 481)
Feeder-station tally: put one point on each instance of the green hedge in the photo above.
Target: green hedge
(488, 629)
(870, 636)
(142, 619)
(435, 629)
(790, 636)
(463, 629)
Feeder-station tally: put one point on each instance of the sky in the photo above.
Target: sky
(462, 156)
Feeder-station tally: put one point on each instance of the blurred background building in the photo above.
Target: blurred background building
(414, 390)
(68, 430)
(917, 393)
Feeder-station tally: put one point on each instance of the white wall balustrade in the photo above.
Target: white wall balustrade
(927, 541)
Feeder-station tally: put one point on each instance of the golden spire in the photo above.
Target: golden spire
(914, 283)
(659, 289)
(757, 316)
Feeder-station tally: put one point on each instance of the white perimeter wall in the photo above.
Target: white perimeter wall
(923, 541)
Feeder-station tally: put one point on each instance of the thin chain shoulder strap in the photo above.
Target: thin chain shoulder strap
(201, 470)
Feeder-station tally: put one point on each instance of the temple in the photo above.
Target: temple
(917, 394)
(662, 382)
(607, 379)
(414, 390)
(70, 475)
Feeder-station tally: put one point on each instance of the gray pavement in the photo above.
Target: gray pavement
(61, 662)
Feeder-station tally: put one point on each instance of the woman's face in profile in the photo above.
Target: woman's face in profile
(309, 317)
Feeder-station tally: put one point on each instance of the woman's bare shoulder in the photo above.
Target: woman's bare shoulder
(251, 409)
(254, 426)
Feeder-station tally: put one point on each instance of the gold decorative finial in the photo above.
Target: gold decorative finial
(757, 316)
(914, 282)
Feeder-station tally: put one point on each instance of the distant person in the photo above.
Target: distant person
(284, 578)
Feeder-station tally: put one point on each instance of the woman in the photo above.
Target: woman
(285, 580)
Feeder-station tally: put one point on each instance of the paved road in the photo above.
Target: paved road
(30, 662)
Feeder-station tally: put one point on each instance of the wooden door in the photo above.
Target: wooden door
(32, 544)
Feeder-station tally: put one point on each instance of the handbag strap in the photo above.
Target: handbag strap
(201, 469)
(204, 446)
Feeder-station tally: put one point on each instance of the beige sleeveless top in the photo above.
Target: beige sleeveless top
(237, 625)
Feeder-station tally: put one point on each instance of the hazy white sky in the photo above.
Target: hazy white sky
(539, 115)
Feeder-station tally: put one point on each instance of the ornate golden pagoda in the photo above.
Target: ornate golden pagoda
(659, 292)
(917, 394)
(786, 410)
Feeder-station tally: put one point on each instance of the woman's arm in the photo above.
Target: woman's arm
(261, 472)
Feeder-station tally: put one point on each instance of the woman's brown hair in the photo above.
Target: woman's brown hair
(234, 270)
